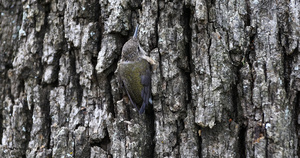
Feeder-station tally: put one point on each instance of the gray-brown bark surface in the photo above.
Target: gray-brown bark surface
(227, 82)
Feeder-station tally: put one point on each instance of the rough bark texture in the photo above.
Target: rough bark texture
(227, 82)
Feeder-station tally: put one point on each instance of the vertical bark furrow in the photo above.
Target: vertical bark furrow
(226, 84)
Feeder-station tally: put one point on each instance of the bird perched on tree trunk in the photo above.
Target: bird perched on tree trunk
(135, 73)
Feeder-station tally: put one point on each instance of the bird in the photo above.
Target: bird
(134, 73)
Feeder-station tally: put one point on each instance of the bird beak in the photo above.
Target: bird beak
(136, 32)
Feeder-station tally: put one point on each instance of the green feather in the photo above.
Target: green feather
(130, 74)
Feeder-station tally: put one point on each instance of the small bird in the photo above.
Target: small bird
(135, 73)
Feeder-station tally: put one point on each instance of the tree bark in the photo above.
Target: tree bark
(227, 82)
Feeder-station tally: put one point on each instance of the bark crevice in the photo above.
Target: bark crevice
(297, 121)
(228, 71)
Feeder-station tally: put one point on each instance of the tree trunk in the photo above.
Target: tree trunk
(227, 82)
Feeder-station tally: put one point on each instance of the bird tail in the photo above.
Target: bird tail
(142, 110)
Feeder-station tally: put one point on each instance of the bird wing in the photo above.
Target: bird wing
(136, 78)
(124, 81)
(146, 91)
